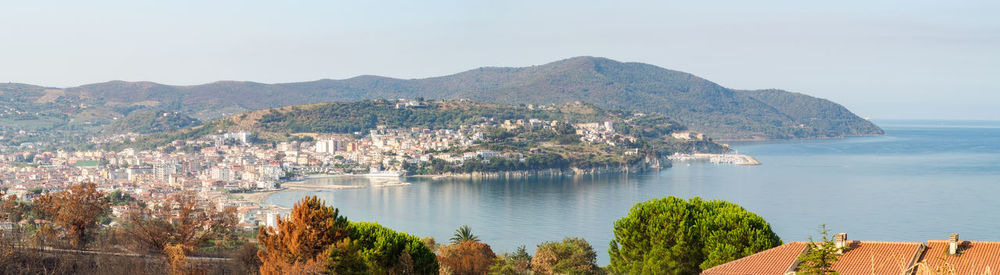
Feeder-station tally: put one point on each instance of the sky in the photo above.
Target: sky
(881, 59)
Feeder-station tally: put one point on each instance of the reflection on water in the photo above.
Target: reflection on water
(918, 183)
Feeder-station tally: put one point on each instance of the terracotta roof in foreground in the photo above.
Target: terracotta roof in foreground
(974, 257)
(878, 257)
(776, 260)
(875, 257)
(861, 257)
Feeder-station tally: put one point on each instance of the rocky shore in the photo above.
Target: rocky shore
(646, 165)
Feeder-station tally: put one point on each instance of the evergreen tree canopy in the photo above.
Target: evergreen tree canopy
(821, 255)
(375, 249)
(674, 236)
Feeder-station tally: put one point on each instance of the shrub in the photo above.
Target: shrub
(571, 256)
(466, 258)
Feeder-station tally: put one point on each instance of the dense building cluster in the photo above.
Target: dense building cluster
(216, 166)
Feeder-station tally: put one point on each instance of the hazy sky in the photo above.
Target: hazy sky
(881, 59)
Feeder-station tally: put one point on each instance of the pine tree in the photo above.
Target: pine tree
(675, 236)
(821, 255)
(298, 242)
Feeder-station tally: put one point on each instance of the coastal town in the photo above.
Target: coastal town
(234, 169)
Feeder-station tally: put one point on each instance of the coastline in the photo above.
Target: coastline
(261, 197)
(324, 176)
(258, 197)
(748, 140)
(736, 159)
(299, 185)
(649, 165)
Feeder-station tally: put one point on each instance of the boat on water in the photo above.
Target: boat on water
(376, 173)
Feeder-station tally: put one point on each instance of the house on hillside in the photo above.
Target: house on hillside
(875, 257)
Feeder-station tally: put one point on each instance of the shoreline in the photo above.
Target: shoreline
(750, 140)
(258, 197)
(326, 176)
(261, 197)
(735, 159)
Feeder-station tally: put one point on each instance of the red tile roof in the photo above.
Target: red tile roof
(878, 257)
(861, 257)
(974, 257)
(875, 257)
(776, 260)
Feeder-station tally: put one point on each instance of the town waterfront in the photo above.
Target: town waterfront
(923, 180)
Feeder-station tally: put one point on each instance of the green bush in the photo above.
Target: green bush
(570, 256)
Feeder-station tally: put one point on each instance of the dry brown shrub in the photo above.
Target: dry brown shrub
(181, 220)
(466, 258)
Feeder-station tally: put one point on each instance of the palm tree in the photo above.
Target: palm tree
(462, 234)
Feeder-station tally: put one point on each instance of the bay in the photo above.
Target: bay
(922, 180)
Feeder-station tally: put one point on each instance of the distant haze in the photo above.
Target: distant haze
(881, 59)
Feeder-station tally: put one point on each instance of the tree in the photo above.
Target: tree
(10, 208)
(246, 259)
(463, 233)
(118, 197)
(521, 258)
(466, 258)
(430, 243)
(76, 210)
(9, 212)
(728, 232)
(344, 257)
(175, 258)
(375, 249)
(571, 256)
(675, 236)
(298, 242)
(180, 220)
(821, 255)
(517, 263)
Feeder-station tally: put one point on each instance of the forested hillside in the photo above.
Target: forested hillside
(152, 122)
(698, 103)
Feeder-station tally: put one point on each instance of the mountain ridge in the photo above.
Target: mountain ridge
(701, 104)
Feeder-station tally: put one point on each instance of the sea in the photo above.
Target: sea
(922, 180)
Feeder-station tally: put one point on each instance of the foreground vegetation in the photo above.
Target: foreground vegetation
(184, 236)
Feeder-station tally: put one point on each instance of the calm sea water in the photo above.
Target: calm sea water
(923, 180)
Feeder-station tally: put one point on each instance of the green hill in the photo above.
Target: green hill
(143, 122)
(698, 103)
(276, 124)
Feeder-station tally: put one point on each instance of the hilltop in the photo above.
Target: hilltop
(700, 104)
